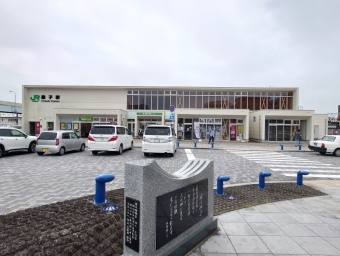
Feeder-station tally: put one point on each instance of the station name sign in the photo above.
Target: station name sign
(45, 98)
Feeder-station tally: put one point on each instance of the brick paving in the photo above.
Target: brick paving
(29, 180)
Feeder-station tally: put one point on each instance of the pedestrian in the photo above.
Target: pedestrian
(212, 135)
(297, 137)
(140, 133)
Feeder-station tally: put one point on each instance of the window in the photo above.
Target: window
(5, 133)
(16, 133)
(48, 136)
(120, 130)
(102, 130)
(73, 135)
(151, 130)
(65, 136)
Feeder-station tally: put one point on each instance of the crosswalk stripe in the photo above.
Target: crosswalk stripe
(315, 176)
(296, 170)
(190, 155)
(297, 166)
(286, 164)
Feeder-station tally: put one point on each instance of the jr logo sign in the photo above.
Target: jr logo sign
(35, 98)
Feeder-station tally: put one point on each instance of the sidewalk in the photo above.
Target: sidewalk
(308, 226)
(236, 145)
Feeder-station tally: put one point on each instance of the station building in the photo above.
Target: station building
(236, 113)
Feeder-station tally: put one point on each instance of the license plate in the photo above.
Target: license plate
(46, 150)
(156, 140)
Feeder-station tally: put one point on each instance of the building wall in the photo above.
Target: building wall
(112, 101)
(254, 126)
(99, 101)
(321, 120)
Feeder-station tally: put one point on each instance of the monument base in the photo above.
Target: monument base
(193, 239)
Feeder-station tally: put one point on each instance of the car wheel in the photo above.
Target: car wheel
(131, 145)
(61, 151)
(322, 153)
(94, 152)
(40, 153)
(1, 151)
(31, 147)
(337, 152)
(146, 154)
(172, 154)
(120, 151)
(82, 148)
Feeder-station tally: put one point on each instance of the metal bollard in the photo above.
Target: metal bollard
(262, 177)
(299, 146)
(281, 145)
(212, 144)
(299, 177)
(178, 143)
(220, 180)
(195, 144)
(100, 188)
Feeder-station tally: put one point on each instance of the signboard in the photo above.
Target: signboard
(37, 128)
(132, 223)
(86, 119)
(45, 98)
(149, 113)
(172, 108)
(179, 210)
(172, 116)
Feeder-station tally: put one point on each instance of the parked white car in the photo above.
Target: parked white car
(109, 138)
(328, 144)
(15, 139)
(159, 139)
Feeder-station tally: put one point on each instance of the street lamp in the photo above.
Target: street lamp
(15, 99)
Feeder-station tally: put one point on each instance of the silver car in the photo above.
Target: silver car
(59, 142)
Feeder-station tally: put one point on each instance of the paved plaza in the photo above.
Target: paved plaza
(309, 226)
(29, 180)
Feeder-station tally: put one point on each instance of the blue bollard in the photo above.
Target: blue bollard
(300, 177)
(262, 176)
(195, 144)
(178, 143)
(220, 180)
(299, 146)
(281, 145)
(100, 188)
(212, 144)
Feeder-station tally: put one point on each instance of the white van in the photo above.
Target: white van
(159, 139)
(109, 138)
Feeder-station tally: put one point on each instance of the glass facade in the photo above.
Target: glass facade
(163, 99)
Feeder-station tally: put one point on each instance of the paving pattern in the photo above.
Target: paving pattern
(28, 180)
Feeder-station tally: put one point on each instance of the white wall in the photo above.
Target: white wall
(322, 121)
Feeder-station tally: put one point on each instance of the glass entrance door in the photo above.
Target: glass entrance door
(272, 133)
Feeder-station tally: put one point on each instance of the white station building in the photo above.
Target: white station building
(236, 113)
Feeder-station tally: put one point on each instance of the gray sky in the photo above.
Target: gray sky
(254, 43)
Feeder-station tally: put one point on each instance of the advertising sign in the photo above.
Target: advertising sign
(233, 132)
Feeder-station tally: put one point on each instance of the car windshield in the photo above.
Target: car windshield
(328, 138)
(157, 131)
(48, 136)
(103, 130)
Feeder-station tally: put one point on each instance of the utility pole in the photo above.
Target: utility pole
(16, 112)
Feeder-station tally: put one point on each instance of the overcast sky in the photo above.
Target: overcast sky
(255, 43)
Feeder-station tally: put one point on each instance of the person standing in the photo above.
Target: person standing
(297, 137)
(140, 133)
(212, 135)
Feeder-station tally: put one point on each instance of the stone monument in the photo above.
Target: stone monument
(167, 214)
